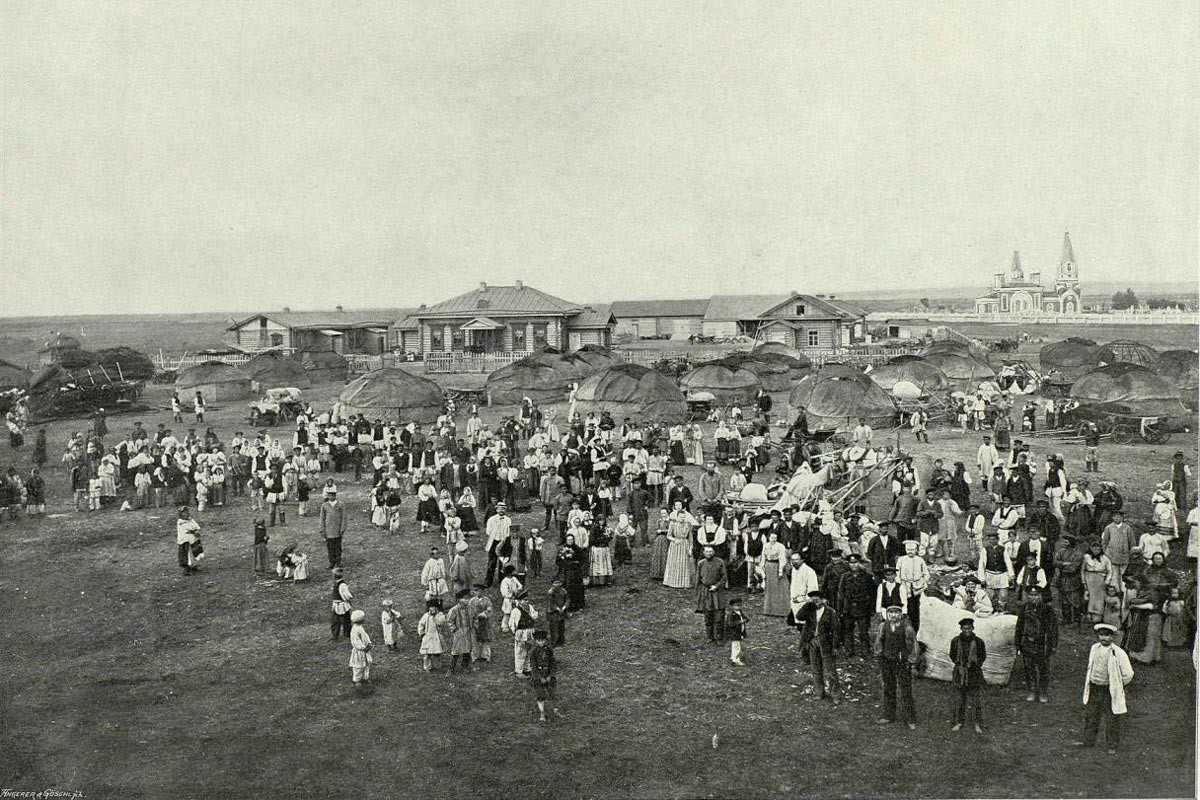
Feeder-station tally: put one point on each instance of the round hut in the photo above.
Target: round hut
(273, 370)
(928, 378)
(592, 358)
(1180, 368)
(324, 366)
(1128, 389)
(1127, 351)
(781, 349)
(775, 370)
(631, 390)
(542, 377)
(393, 394)
(963, 371)
(836, 397)
(1073, 358)
(727, 384)
(216, 380)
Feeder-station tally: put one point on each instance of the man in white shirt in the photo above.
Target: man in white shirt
(1109, 671)
(914, 574)
(863, 433)
(498, 529)
(986, 458)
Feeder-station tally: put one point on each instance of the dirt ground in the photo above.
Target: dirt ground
(125, 678)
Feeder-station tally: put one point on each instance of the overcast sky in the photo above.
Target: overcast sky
(166, 156)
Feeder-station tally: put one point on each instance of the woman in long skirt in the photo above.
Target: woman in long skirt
(777, 599)
(379, 511)
(1098, 575)
(677, 456)
(662, 543)
(466, 510)
(602, 567)
(427, 507)
(570, 563)
(680, 572)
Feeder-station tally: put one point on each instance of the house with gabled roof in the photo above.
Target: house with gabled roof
(347, 332)
(503, 319)
(802, 321)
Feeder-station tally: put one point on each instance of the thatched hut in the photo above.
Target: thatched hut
(216, 380)
(393, 394)
(726, 383)
(631, 390)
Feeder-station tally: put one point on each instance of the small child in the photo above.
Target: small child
(453, 525)
(201, 494)
(543, 667)
(260, 545)
(536, 543)
(255, 487)
(735, 630)
(623, 537)
(429, 629)
(556, 615)
(481, 614)
(360, 653)
(95, 487)
(303, 490)
(1175, 620)
(393, 625)
(1113, 606)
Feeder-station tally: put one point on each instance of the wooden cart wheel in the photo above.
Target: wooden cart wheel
(1157, 434)
(1122, 433)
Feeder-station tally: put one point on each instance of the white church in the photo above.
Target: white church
(1014, 293)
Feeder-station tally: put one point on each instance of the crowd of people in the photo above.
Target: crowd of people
(1014, 535)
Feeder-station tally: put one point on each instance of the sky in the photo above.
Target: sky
(170, 157)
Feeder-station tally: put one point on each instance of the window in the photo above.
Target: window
(276, 340)
(814, 338)
(435, 338)
(539, 334)
(1004, 302)
(518, 333)
(262, 322)
(800, 311)
(482, 304)
(456, 340)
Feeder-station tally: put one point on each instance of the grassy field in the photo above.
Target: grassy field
(124, 678)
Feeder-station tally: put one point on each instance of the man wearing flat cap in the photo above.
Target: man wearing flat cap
(1036, 639)
(820, 635)
(897, 649)
(334, 519)
(967, 654)
(1108, 673)
(856, 605)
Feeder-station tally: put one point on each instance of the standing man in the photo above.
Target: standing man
(897, 649)
(819, 639)
(711, 487)
(679, 493)
(967, 653)
(1091, 444)
(1036, 640)
(863, 433)
(996, 571)
(986, 458)
(711, 581)
(339, 622)
(1108, 673)
(856, 604)
(333, 526)
(802, 582)
(914, 574)
(521, 621)
(499, 531)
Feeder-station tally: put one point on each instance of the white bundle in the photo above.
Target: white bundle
(939, 624)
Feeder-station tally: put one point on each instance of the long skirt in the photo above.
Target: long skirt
(379, 516)
(467, 515)
(428, 511)
(601, 562)
(680, 572)
(1096, 590)
(658, 556)
(1152, 651)
(777, 593)
(676, 453)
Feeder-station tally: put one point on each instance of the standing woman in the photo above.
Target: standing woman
(681, 571)
(661, 546)
(39, 449)
(427, 506)
(570, 563)
(696, 452)
(960, 486)
(601, 555)
(1098, 575)
(777, 592)
(1056, 485)
(187, 537)
(466, 510)
(677, 434)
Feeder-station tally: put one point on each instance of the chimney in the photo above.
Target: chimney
(422, 305)
(520, 286)
(482, 286)
(287, 309)
(340, 309)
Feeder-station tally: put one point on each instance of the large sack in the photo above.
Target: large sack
(939, 624)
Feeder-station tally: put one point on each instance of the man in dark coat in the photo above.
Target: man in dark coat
(967, 653)
(831, 577)
(1036, 640)
(820, 634)
(897, 649)
(679, 493)
(904, 513)
(856, 604)
(711, 582)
